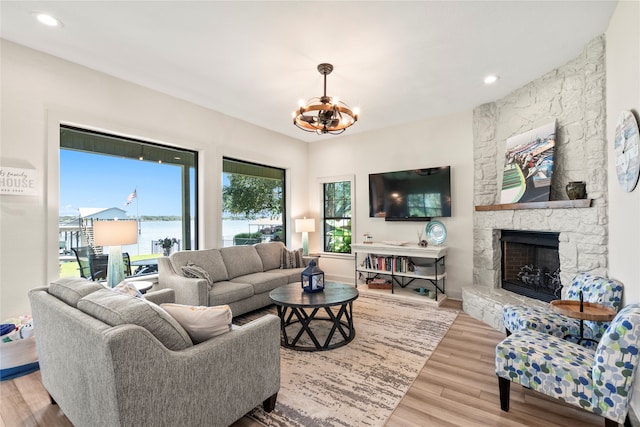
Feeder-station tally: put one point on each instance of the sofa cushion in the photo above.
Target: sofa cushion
(241, 260)
(262, 282)
(195, 271)
(291, 259)
(201, 323)
(116, 309)
(291, 275)
(229, 292)
(270, 254)
(209, 259)
(71, 289)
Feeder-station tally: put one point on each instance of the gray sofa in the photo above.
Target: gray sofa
(242, 276)
(131, 374)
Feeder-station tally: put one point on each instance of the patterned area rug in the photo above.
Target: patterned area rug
(361, 383)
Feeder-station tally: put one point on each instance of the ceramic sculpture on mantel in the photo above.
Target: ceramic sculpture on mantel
(576, 190)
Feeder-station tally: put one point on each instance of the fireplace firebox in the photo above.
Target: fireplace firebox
(530, 264)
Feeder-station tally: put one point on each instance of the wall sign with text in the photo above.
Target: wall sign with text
(19, 182)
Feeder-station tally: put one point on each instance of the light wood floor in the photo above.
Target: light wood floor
(457, 387)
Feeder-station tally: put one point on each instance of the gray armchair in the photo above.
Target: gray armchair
(124, 376)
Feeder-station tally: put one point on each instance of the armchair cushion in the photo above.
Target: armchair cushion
(201, 323)
(71, 289)
(117, 309)
(547, 364)
(541, 319)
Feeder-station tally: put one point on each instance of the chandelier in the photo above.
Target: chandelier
(326, 114)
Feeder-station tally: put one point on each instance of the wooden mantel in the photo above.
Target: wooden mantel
(553, 204)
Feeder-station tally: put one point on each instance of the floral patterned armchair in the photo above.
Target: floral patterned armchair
(599, 381)
(594, 289)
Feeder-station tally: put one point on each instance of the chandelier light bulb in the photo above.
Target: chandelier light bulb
(301, 103)
(335, 100)
(356, 111)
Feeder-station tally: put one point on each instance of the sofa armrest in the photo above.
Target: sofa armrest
(218, 381)
(190, 291)
(162, 296)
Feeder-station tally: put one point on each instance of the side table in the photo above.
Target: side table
(583, 311)
(142, 285)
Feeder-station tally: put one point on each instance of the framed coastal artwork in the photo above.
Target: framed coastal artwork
(528, 165)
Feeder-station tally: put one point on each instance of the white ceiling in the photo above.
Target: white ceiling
(397, 61)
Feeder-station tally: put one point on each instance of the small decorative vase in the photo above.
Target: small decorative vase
(576, 190)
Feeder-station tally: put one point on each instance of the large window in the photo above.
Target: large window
(104, 176)
(336, 221)
(253, 202)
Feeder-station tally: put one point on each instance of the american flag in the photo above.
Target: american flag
(132, 196)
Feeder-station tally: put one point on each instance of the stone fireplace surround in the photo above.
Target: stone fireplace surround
(573, 95)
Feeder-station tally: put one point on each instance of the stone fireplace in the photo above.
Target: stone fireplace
(530, 264)
(573, 95)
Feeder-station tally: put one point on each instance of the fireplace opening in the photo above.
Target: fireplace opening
(531, 264)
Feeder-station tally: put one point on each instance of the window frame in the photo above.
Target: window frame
(106, 143)
(252, 164)
(321, 185)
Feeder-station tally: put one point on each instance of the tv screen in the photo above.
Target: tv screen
(411, 195)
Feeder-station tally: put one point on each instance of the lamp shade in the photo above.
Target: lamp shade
(115, 233)
(306, 224)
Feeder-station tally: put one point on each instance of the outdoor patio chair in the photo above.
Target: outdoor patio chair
(595, 289)
(83, 254)
(99, 266)
(598, 380)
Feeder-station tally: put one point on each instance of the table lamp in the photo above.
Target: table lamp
(115, 234)
(305, 226)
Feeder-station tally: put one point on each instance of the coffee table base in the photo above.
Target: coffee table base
(341, 322)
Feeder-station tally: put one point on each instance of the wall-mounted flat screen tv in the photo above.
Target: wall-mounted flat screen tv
(411, 195)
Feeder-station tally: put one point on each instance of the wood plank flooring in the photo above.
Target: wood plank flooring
(457, 387)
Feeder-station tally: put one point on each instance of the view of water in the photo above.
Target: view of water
(156, 230)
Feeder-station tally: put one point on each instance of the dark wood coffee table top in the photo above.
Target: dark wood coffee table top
(292, 295)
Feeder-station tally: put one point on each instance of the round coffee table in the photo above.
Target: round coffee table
(298, 312)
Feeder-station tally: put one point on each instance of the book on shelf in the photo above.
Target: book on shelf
(396, 264)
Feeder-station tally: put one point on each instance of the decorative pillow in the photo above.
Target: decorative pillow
(71, 289)
(201, 323)
(116, 309)
(291, 259)
(197, 272)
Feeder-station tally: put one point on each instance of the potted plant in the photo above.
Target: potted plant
(166, 244)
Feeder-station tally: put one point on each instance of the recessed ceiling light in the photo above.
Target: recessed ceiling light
(490, 79)
(47, 19)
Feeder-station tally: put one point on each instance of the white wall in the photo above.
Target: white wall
(623, 93)
(440, 141)
(38, 92)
